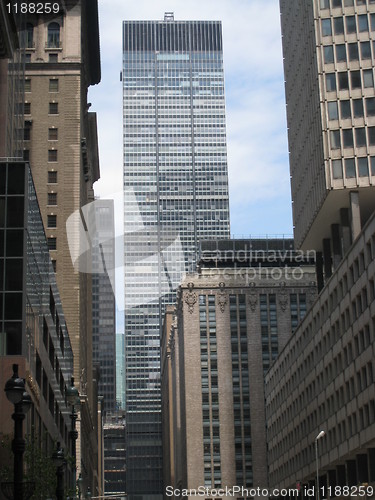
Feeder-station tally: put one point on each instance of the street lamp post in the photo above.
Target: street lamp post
(16, 394)
(320, 435)
(59, 461)
(72, 396)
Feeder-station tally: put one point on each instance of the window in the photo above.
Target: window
(27, 85)
(360, 137)
(362, 22)
(328, 54)
(340, 52)
(371, 135)
(338, 24)
(343, 80)
(330, 82)
(29, 36)
(51, 221)
(52, 243)
(26, 154)
(349, 168)
(326, 27)
(52, 177)
(345, 110)
(52, 58)
(27, 108)
(26, 133)
(53, 37)
(52, 199)
(372, 22)
(370, 106)
(350, 24)
(365, 50)
(53, 108)
(53, 265)
(368, 78)
(347, 137)
(348, 3)
(353, 51)
(337, 169)
(324, 4)
(335, 139)
(333, 111)
(362, 167)
(360, 2)
(355, 79)
(372, 161)
(336, 3)
(52, 134)
(357, 108)
(52, 155)
(53, 85)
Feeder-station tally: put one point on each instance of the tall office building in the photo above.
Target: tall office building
(103, 302)
(176, 194)
(330, 94)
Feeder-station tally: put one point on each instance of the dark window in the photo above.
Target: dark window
(52, 134)
(52, 177)
(371, 135)
(52, 58)
(345, 109)
(348, 3)
(53, 108)
(53, 39)
(53, 85)
(370, 106)
(343, 80)
(335, 139)
(332, 110)
(372, 21)
(26, 133)
(52, 244)
(326, 27)
(26, 154)
(353, 51)
(51, 221)
(349, 168)
(27, 108)
(355, 79)
(331, 82)
(52, 198)
(362, 167)
(54, 265)
(328, 54)
(347, 137)
(29, 36)
(357, 108)
(350, 24)
(27, 85)
(368, 78)
(340, 52)
(362, 22)
(52, 155)
(365, 50)
(324, 4)
(360, 137)
(338, 25)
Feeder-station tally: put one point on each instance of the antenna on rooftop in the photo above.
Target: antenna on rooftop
(168, 16)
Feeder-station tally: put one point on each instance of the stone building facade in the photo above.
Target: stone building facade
(232, 318)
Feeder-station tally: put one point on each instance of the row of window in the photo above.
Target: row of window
(52, 87)
(353, 108)
(344, 138)
(342, 53)
(353, 167)
(342, 79)
(352, 24)
(53, 108)
(326, 4)
(53, 36)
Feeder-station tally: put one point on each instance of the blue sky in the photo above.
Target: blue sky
(256, 124)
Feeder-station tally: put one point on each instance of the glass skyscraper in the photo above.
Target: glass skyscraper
(175, 195)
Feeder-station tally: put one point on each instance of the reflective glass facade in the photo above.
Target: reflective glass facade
(176, 194)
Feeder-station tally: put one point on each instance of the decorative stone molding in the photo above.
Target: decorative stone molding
(191, 298)
(283, 297)
(222, 297)
(253, 301)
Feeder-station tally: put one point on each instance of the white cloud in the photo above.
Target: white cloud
(256, 126)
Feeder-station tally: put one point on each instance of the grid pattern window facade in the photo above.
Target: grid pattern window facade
(241, 394)
(268, 325)
(297, 308)
(175, 194)
(210, 391)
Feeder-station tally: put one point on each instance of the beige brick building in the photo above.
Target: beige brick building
(232, 318)
(62, 61)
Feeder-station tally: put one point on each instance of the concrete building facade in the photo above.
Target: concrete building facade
(232, 318)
